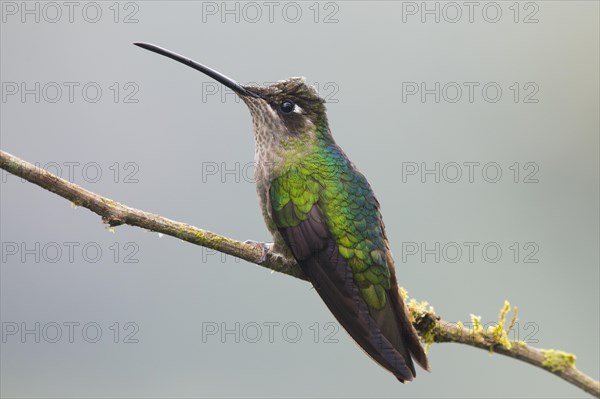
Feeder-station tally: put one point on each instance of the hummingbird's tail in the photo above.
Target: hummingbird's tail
(386, 335)
(403, 333)
(396, 324)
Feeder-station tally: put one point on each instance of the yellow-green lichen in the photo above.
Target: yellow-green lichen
(498, 333)
(477, 327)
(403, 293)
(513, 320)
(428, 337)
(418, 309)
(185, 232)
(423, 316)
(557, 361)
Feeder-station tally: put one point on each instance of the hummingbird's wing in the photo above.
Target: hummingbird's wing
(333, 228)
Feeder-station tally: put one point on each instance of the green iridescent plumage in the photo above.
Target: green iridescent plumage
(326, 178)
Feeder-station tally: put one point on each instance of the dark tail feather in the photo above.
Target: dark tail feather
(410, 338)
(391, 326)
(408, 332)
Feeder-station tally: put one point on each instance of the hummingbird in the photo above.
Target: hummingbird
(322, 212)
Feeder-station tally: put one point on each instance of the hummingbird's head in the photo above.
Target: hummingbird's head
(286, 109)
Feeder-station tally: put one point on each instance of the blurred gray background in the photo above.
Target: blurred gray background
(151, 133)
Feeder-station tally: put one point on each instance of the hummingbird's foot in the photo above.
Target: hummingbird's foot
(265, 247)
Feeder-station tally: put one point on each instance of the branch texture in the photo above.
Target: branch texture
(429, 325)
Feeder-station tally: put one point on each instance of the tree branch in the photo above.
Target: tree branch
(430, 327)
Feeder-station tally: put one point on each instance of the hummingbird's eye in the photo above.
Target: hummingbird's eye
(287, 106)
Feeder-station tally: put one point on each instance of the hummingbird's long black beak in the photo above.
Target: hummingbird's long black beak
(219, 77)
